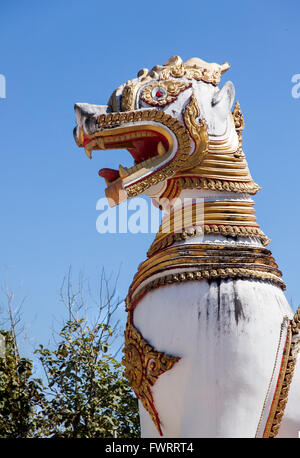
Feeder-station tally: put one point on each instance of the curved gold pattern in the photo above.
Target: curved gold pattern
(143, 366)
(128, 101)
(288, 364)
(207, 274)
(265, 413)
(172, 190)
(128, 96)
(272, 425)
(203, 257)
(198, 132)
(239, 124)
(238, 117)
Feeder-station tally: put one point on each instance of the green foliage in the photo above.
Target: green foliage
(21, 395)
(88, 395)
(85, 394)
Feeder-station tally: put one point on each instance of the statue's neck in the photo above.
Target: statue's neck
(202, 216)
(211, 201)
(207, 235)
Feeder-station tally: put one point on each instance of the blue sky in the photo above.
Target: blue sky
(56, 53)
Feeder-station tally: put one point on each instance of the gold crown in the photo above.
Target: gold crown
(194, 68)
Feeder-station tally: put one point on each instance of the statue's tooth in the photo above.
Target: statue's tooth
(149, 162)
(123, 171)
(161, 149)
(100, 143)
(88, 153)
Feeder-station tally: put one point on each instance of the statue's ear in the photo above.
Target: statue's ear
(223, 99)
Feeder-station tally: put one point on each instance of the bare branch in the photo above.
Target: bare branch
(13, 317)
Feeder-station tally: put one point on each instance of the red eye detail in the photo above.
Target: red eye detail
(159, 94)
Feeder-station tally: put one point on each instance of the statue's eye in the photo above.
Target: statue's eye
(159, 93)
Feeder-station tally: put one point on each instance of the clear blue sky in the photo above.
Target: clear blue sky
(56, 53)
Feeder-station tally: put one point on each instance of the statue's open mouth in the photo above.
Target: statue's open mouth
(149, 137)
(148, 146)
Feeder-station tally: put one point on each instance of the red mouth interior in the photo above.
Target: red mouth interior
(141, 149)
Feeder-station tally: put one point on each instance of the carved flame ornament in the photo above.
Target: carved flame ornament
(143, 367)
(194, 68)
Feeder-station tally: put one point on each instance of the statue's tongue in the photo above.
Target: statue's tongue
(109, 174)
(141, 150)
